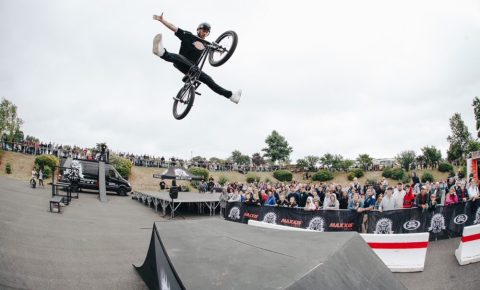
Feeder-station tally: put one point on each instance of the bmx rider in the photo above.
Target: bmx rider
(190, 51)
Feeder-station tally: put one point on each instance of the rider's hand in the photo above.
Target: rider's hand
(159, 18)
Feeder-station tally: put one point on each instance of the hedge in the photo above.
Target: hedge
(397, 173)
(387, 172)
(46, 163)
(222, 180)
(251, 178)
(427, 176)
(198, 171)
(445, 167)
(283, 175)
(322, 175)
(357, 172)
(122, 165)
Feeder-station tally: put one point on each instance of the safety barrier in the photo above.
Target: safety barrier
(400, 252)
(469, 249)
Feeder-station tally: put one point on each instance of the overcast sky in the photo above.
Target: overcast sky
(345, 77)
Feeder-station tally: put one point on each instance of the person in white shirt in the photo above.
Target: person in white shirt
(399, 194)
(473, 190)
(388, 201)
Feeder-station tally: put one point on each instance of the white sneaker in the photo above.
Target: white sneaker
(158, 48)
(236, 96)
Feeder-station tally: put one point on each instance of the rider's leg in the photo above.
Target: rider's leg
(206, 79)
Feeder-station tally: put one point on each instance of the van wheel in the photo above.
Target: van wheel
(121, 191)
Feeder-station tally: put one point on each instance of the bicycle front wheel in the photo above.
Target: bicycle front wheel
(184, 101)
(228, 43)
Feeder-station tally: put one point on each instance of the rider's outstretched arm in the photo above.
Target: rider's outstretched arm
(166, 23)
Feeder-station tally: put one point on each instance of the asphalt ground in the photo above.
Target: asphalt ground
(92, 245)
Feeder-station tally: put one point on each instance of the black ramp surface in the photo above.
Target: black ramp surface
(217, 254)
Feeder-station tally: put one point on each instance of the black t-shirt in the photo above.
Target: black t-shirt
(187, 49)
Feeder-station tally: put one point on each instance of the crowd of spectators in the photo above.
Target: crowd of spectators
(332, 196)
(59, 150)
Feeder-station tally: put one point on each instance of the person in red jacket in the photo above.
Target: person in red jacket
(408, 200)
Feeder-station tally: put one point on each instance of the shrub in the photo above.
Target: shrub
(371, 181)
(222, 180)
(47, 172)
(268, 180)
(251, 178)
(322, 175)
(387, 172)
(45, 160)
(445, 167)
(357, 172)
(8, 168)
(397, 173)
(1, 154)
(427, 176)
(406, 179)
(198, 171)
(283, 175)
(350, 176)
(122, 165)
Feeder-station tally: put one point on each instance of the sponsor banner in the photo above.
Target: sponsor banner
(442, 223)
(321, 220)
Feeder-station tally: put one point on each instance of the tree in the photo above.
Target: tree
(239, 158)
(365, 161)
(473, 146)
(312, 162)
(198, 159)
(257, 159)
(476, 110)
(277, 147)
(31, 139)
(406, 158)
(431, 156)
(346, 164)
(327, 160)
(302, 163)
(10, 123)
(337, 162)
(215, 160)
(458, 139)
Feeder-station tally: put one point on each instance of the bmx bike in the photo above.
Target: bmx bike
(218, 52)
(33, 183)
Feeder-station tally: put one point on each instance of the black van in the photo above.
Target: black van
(88, 173)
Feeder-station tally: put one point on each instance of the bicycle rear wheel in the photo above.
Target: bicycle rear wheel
(228, 41)
(184, 101)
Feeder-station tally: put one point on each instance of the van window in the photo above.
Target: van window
(111, 174)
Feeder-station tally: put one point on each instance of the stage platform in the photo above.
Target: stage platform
(217, 254)
(162, 198)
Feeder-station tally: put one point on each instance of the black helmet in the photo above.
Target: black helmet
(204, 25)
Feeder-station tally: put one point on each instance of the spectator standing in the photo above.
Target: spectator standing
(282, 202)
(271, 200)
(332, 203)
(409, 198)
(388, 202)
(452, 197)
(343, 200)
(422, 198)
(40, 178)
(399, 194)
(355, 203)
(473, 191)
(415, 179)
(309, 205)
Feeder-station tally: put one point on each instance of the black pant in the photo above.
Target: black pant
(183, 65)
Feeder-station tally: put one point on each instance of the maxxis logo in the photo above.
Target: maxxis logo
(316, 224)
(234, 213)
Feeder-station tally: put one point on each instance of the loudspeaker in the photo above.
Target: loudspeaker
(173, 192)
